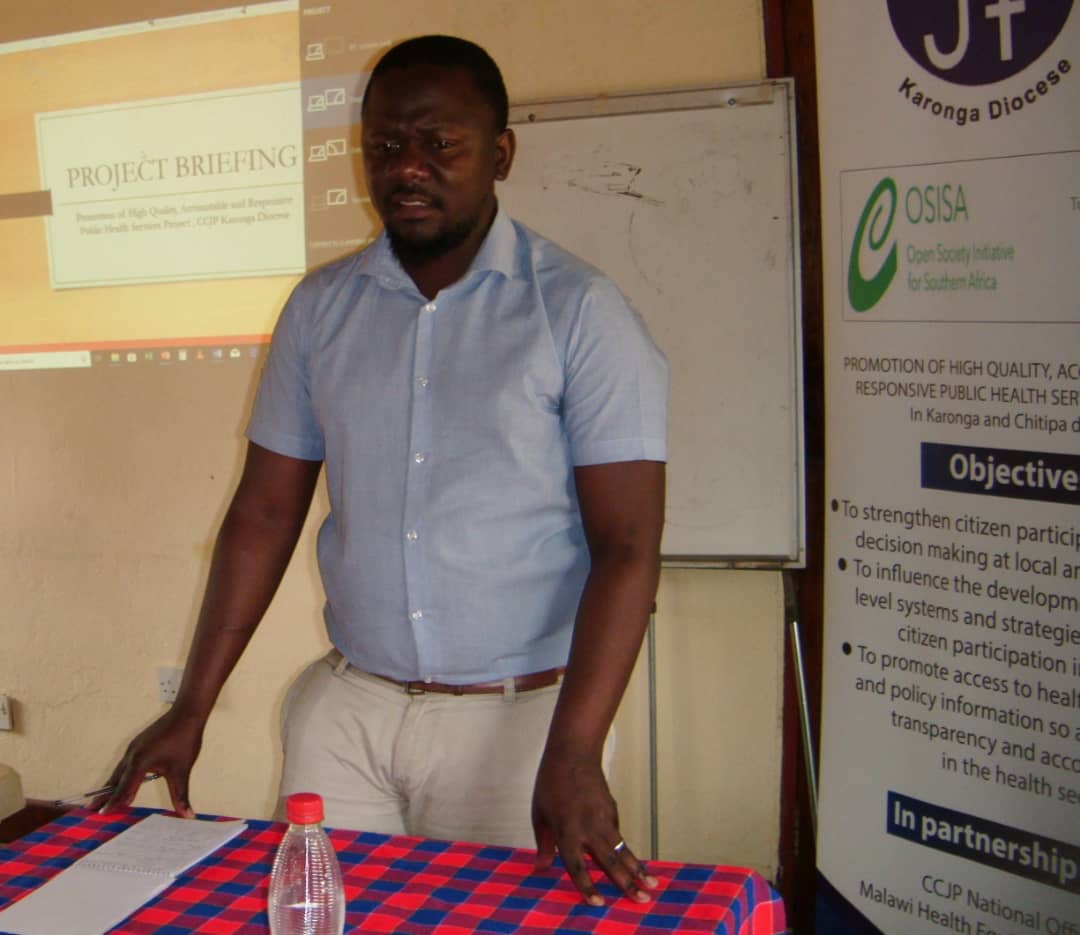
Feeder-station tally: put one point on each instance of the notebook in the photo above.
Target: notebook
(109, 883)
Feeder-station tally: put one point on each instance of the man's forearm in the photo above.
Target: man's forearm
(612, 618)
(622, 510)
(252, 551)
(238, 592)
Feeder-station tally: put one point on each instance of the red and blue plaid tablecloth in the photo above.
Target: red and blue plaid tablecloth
(404, 884)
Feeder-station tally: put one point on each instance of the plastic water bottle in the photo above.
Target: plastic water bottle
(306, 894)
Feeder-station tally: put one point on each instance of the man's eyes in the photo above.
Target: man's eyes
(389, 147)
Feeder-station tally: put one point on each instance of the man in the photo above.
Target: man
(491, 417)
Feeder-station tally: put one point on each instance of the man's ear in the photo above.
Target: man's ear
(505, 147)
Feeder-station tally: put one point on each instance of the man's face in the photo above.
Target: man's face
(432, 155)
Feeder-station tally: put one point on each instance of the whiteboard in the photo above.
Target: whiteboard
(687, 201)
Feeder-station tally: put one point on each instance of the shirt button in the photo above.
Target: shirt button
(430, 307)
(419, 457)
(422, 383)
(417, 615)
(412, 535)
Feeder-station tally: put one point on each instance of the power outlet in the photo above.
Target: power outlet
(168, 680)
(6, 720)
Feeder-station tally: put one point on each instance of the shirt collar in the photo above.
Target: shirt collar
(496, 254)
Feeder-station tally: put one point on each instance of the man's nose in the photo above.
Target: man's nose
(411, 161)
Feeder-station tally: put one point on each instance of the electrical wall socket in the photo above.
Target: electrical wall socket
(168, 680)
(6, 720)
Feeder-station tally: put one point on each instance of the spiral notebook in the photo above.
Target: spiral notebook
(109, 883)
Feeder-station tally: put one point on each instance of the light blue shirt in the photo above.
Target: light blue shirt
(454, 549)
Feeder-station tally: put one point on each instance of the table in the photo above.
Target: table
(404, 884)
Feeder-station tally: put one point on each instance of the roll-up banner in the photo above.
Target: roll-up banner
(950, 760)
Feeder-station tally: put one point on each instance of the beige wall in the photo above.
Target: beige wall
(113, 485)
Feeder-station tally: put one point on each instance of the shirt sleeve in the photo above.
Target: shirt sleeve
(283, 418)
(614, 405)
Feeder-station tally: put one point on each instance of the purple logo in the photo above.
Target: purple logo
(977, 42)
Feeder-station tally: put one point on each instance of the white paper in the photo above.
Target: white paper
(160, 844)
(108, 884)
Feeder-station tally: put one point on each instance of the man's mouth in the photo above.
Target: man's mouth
(412, 200)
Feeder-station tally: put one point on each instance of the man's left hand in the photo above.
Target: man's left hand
(573, 811)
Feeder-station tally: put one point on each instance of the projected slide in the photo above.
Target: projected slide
(164, 184)
(205, 186)
(152, 204)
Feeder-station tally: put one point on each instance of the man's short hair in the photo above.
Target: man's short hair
(448, 52)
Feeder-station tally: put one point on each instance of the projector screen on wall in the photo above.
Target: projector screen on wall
(156, 195)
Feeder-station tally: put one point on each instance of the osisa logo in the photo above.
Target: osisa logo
(875, 227)
(977, 42)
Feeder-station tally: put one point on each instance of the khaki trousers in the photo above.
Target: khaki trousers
(455, 767)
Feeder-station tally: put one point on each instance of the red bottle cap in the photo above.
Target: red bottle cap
(304, 808)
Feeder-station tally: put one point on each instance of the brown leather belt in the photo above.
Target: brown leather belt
(521, 683)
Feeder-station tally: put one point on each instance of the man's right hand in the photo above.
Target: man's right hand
(168, 747)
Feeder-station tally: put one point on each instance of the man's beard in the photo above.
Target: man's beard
(409, 250)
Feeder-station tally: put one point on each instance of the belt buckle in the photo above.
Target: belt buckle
(415, 688)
